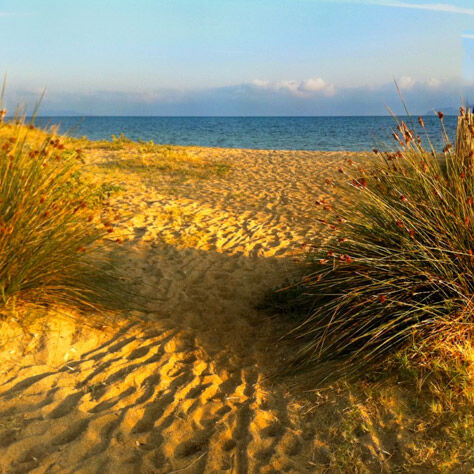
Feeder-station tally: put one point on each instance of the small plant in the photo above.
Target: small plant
(398, 265)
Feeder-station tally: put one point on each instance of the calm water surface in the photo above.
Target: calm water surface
(279, 133)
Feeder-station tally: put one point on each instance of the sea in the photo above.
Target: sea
(268, 133)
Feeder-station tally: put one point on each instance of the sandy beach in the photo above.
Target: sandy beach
(189, 383)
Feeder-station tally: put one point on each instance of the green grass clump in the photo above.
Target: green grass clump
(47, 227)
(398, 264)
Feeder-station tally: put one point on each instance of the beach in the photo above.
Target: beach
(189, 382)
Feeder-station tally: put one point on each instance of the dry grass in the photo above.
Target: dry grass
(49, 223)
(398, 266)
(179, 163)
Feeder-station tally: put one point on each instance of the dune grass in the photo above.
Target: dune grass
(398, 266)
(48, 223)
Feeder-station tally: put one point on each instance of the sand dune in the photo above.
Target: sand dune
(190, 385)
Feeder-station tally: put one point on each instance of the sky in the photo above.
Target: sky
(236, 57)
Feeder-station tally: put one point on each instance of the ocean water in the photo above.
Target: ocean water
(274, 133)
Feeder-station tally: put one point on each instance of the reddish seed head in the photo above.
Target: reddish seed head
(462, 175)
(328, 181)
(81, 249)
(382, 298)
(403, 198)
(90, 218)
(375, 151)
(330, 253)
(440, 115)
(110, 230)
(447, 147)
(119, 241)
(341, 170)
(469, 201)
(412, 233)
(42, 200)
(323, 261)
(400, 223)
(359, 183)
(421, 121)
(341, 239)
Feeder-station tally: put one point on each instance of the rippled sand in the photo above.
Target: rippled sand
(190, 386)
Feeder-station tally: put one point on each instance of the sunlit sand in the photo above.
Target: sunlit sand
(190, 383)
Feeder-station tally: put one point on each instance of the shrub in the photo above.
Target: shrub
(47, 228)
(398, 265)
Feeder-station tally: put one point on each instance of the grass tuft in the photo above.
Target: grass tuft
(398, 266)
(49, 233)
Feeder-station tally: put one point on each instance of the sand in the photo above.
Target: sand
(189, 385)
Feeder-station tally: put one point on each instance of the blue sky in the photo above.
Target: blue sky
(236, 57)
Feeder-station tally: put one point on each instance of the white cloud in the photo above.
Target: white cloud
(311, 86)
(435, 7)
(261, 83)
(406, 82)
(468, 36)
(433, 83)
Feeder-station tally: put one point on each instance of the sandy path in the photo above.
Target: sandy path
(190, 389)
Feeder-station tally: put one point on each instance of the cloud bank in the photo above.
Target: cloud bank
(299, 88)
(312, 96)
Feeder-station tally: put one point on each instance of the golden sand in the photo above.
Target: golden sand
(191, 387)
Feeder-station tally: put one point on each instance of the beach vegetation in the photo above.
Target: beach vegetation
(395, 269)
(49, 222)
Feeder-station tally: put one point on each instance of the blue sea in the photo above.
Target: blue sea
(275, 133)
